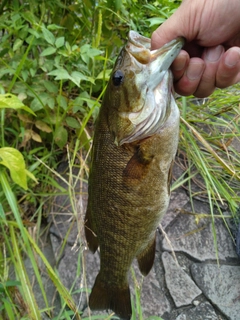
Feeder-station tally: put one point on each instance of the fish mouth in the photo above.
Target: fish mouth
(159, 60)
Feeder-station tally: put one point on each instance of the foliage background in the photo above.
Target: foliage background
(55, 60)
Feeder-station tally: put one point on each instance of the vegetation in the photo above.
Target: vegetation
(55, 60)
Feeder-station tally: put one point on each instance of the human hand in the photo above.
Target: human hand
(211, 56)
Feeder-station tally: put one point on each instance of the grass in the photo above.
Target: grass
(65, 106)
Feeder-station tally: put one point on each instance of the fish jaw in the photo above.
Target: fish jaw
(144, 96)
(157, 61)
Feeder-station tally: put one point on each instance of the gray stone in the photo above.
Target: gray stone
(236, 144)
(181, 287)
(203, 311)
(197, 239)
(153, 300)
(177, 201)
(220, 284)
(178, 197)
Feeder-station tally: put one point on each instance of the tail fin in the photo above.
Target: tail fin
(104, 296)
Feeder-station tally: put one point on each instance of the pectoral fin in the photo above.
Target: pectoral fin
(146, 257)
(138, 165)
(135, 169)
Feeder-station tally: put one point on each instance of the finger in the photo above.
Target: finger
(179, 65)
(163, 34)
(211, 57)
(191, 78)
(172, 28)
(228, 72)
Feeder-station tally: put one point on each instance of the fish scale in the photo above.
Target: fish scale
(130, 170)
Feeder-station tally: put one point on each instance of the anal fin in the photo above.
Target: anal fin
(146, 257)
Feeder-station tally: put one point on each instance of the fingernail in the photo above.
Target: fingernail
(213, 54)
(194, 71)
(232, 57)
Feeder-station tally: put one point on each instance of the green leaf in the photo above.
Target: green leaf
(62, 101)
(72, 122)
(29, 16)
(2, 217)
(54, 27)
(60, 42)
(34, 33)
(3, 52)
(17, 44)
(77, 76)
(61, 136)
(13, 160)
(104, 75)
(36, 105)
(50, 86)
(25, 75)
(48, 51)
(155, 21)
(10, 283)
(30, 175)
(8, 309)
(48, 36)
(9, 100)
(42, 100)
(60, 74)
(43, 126)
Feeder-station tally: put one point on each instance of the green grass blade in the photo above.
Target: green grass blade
(17, 215)
(33, 310)
(57, 282)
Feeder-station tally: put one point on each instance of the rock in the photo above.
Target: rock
(181, 287)
(218, 283)
(178, 197)
(203, 311)
(177, 201)
(153, 299)
(197, 240)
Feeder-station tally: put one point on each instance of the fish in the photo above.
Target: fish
(134, 145)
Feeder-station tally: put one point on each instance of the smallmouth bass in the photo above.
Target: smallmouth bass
(134, 146)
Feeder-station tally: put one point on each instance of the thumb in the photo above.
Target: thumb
(169, 30)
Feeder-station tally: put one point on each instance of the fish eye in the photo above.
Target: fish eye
(117, 78)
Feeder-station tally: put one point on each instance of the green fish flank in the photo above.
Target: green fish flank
(135, 142)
